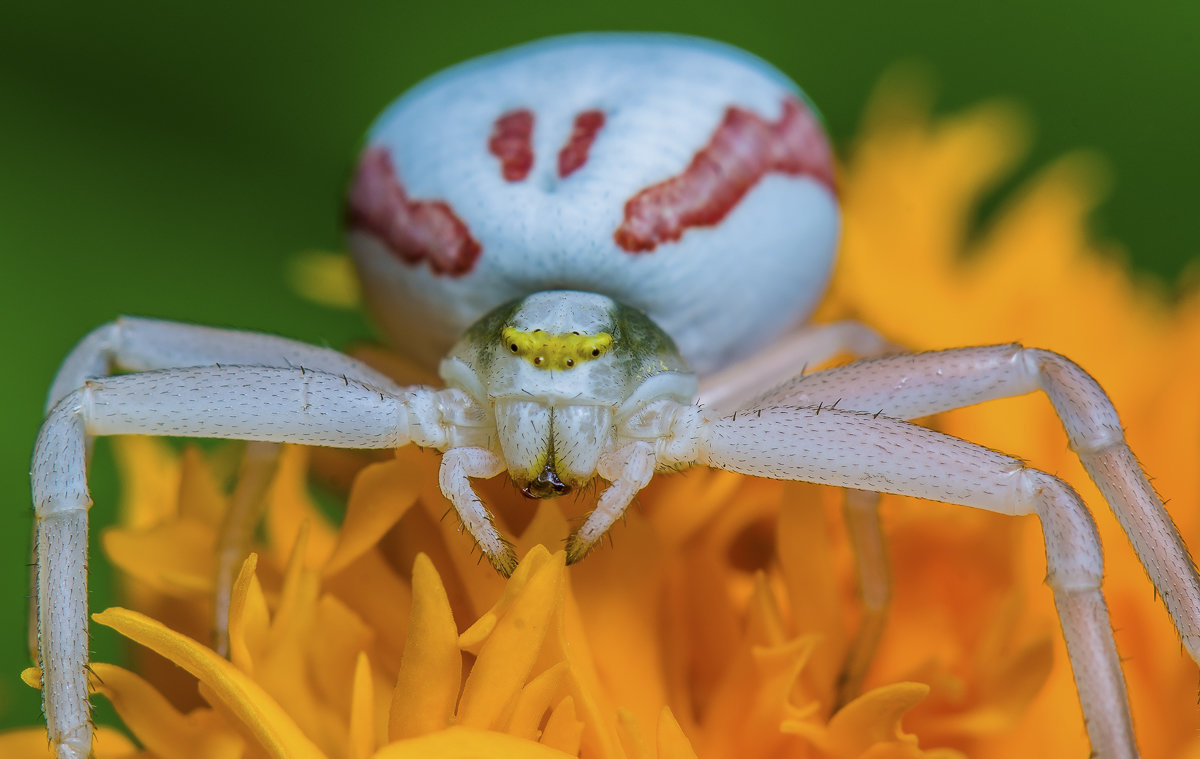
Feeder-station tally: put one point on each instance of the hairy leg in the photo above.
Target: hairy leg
(854, 449)
(916, 385)
(253, 403)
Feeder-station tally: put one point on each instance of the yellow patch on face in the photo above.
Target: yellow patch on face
(550, 351)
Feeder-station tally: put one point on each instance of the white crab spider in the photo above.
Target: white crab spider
(579, 222)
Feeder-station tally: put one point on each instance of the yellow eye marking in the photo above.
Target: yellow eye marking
(547, 351)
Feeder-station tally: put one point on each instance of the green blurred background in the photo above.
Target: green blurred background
(167, 161)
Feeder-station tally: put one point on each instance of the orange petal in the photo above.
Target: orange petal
(755, 697)
(176, 558)
(264, 718)
(872, 718)
(631, 735)
(382, 493)
(332, 663)
(569, 642)
(249, 618)
(474, 636)
(623, 591)
(281, 668)
(468, 743)
(158, 725)
(690, 502)
(32, 676)
(200, 496)
(298, 592)
(362, 711)
(289, 505)
(534, 701)
(672, 743)
(508, 654)
(430, 674)
(371, 588)
(805, 552)
(764, 621)
(547, 528)
(149, 480)
(563, 728)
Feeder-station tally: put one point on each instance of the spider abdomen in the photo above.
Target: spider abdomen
(681, 177)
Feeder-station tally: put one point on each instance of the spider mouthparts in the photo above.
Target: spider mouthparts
(546, 485)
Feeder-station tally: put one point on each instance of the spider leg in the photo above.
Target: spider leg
(138, 344)
(245, 510)
(855, 449)
(135, 344)
(916, 385)
(733, 388)
(244, 402)
(628, 469)
(810, 345)
(861, 512)
(458, 466)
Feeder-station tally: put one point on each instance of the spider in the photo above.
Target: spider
(554, 222)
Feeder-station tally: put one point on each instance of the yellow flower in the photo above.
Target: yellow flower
(716, 623)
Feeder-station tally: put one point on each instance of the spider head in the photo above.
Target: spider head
(559, 370)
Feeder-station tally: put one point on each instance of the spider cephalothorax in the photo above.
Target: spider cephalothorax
(555, 374)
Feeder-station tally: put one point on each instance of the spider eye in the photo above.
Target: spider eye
(570, 362)
(595, 351)
(513, 348)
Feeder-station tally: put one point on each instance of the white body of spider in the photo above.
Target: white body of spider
(572, 225)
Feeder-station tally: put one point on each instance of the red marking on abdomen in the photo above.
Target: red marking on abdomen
(575, 152)
(415, 230)
(742, 150)
(510, 142)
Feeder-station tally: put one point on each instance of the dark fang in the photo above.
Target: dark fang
(547, 485)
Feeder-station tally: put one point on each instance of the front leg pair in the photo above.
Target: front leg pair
(917, 385)
(855, 449)
(834, 427)
(137, 344)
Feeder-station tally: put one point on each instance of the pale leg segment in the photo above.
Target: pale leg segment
(458, 466)
(246, 504)
(861, 512)
(61, 529)
(810, 345)
(137, 344)
(917, 385)
(249, 403)
(732, 389)
(628, 469)
(735, 387)
(861, 450)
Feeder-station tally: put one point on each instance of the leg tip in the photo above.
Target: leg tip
(505, 562)
(577, 548)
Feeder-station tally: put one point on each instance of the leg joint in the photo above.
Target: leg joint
(1086, 412)
(1074, 560)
